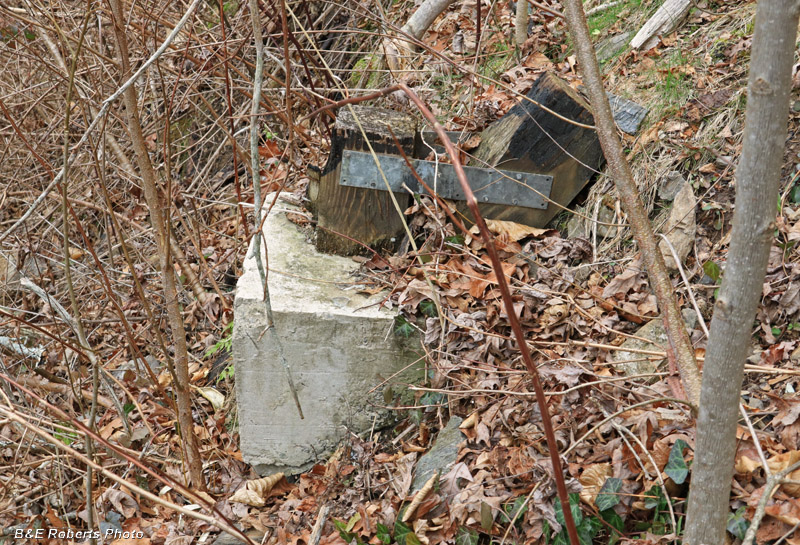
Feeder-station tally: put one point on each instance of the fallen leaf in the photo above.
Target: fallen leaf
(514, 231)
(254, 493)
(592, 479)
(213, 396)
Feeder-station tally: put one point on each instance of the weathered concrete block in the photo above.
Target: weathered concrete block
(339, 346)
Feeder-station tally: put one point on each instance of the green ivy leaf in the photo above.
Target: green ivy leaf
(615, 521)
(383, 534)
(403, 327)
(466, 536)
(226, 373)
(587, 529)
(341, 526)
(428, 308)
(561, 538)
(737, 524)
(66, 437)
(608, 496)
(795, 195)
(653, 497)
(712, 270)
(353, 521)
(574, 507)
(511, 509)
(432, 399)
(403, 534)
(676, 467)
(487, 519)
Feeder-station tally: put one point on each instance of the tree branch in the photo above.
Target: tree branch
(680, 348)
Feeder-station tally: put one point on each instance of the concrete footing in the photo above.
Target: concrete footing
(338, 346)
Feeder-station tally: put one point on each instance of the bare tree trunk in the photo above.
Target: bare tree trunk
(757, 181)
(680, 346)
(397, 50)
(425, 15)
(156, 204)
(521, 25)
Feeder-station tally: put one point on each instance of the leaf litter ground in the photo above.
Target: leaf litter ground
(627, 444)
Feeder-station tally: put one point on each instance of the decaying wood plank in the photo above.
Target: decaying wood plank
(365, 215)
(531, 139)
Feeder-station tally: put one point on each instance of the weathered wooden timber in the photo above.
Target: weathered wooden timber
(544, 150)
(364, 215)
(531, 139)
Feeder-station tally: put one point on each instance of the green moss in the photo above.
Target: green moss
(365, 74)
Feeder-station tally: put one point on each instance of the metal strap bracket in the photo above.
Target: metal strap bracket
(489, 185)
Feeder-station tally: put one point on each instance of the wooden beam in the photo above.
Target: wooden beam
(365, 215)
(531, 139)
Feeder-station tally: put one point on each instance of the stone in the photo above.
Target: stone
(339, 346)
(605, 216)
(681, 227)
(612, 45)
(628, 115)
(670, 185)
(142, 377)
(226, 539)
(442, 455)
(635, 363)
(575, 226)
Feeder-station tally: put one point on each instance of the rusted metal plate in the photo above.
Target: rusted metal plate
(491, 186)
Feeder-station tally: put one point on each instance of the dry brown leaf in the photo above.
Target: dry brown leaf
(469, 421)
(592, 479)
(746, 464)
(122, 501)
(449, 482)
(76, 253)
(782, 461)
(254, 493)
(423, 492)
(248, 497)
(622, 283)
(213, 396)
(514, 231)
(206, 496)
(785, 511)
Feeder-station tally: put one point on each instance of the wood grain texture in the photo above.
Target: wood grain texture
(531, 139)
(364, 215)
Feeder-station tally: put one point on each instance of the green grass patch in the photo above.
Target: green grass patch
(674, 85)
(599, 25)
(497, 62)
(606, 18)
